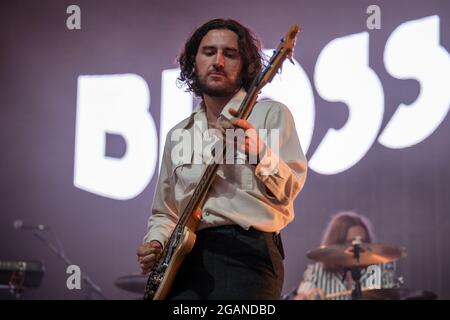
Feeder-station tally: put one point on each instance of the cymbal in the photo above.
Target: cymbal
(398, 294)
(370, 253)
(133, 283)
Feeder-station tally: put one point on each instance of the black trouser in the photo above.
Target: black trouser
(229, 262)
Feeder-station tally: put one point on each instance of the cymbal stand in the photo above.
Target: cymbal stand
(356, 270)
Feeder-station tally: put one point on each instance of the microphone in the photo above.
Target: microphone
(18, 224)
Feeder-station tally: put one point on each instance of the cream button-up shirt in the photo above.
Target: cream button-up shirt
(259, 196)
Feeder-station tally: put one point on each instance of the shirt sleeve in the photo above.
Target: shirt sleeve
(308, 281)
(283, 166)
(164, 212)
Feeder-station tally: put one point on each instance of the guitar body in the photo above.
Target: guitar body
(184, 247)
(162, 277)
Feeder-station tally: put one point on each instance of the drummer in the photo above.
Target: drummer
(326, 281)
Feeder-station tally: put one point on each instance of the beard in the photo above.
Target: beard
(223, 91)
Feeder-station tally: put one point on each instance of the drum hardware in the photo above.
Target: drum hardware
(355, 271)
(15, 276)
(354, 257)
(343, 255)
(398, 294)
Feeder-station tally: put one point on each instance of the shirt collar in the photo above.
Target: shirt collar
(234, 102)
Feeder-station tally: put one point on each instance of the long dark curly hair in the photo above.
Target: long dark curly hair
(337, 229)
(249, 49)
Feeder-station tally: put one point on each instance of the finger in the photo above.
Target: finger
(155, 244)
(143, 249)
(241, 123)
(145, 270)
(233, 112)
(248, 143)
(147, 263)
(251, 134)
(145, 267)
(147, 251)
(148, 259)
(244, 147)
(140, 250)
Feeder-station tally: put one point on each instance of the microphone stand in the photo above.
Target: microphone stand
(92, 287)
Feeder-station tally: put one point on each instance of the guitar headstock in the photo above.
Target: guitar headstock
(284, 50)
(288, 42)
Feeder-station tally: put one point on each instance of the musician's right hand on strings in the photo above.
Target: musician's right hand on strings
(148, 254)
(313, 294)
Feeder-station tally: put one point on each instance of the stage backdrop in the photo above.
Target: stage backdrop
(88, 92)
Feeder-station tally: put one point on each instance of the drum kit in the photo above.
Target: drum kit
(354, 257)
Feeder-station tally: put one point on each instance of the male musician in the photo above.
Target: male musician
(238, 252)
